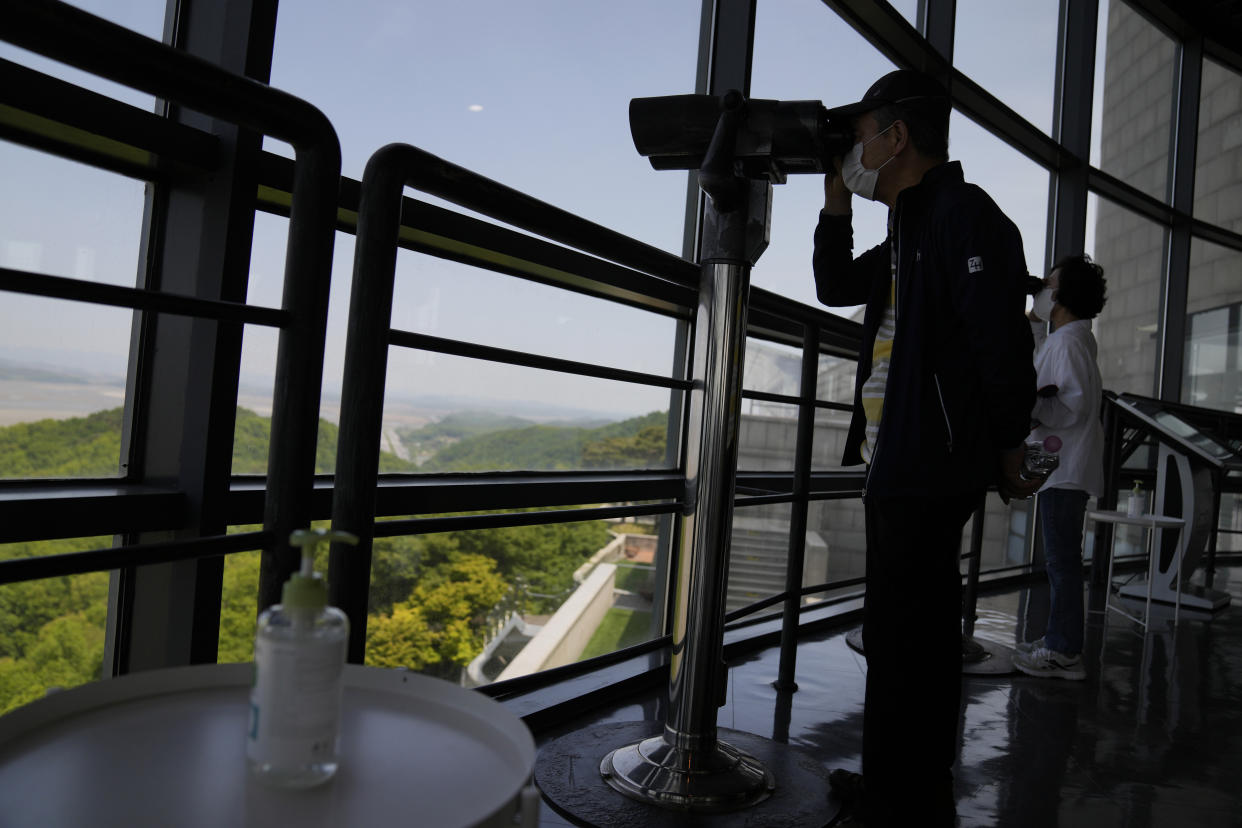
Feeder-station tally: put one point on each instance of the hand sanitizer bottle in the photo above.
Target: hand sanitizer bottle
(1138, 501)
(299, 659)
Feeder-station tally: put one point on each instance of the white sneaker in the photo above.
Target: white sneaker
(1046, 663)
(1027, 646)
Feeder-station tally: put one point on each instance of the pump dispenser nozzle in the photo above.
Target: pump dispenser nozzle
(306, 589)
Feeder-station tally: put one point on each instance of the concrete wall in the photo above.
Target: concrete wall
(565, 635)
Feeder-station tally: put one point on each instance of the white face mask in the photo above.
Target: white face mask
(1043, 304)
(857, 178)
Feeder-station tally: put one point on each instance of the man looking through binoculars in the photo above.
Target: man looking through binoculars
(942, 404)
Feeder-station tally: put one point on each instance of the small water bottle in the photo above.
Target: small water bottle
(1041, 458)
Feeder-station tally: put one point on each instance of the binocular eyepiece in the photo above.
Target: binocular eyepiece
(769, 139)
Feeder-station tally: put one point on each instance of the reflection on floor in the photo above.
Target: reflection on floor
(1152, 738)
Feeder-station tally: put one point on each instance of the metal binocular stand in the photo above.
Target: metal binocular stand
(664, 772)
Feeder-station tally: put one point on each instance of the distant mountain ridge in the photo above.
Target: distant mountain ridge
(637, 442)
(10, 370)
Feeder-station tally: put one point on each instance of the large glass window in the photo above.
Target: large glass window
(1218, 161)
(1010, 48)
(1213, 376)
(1131, 249)
(1018, 185)
(536, 100)
(805, 52)
(1135, 76)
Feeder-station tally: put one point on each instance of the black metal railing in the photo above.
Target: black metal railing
(55, 117)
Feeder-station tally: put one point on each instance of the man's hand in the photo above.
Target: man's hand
(1011, 484)
(836, 196)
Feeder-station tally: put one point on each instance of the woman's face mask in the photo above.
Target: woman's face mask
(857, 178)
(1043, 303)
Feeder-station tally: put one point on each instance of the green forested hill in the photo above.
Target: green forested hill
(634, 443)
(78, 447)
(461, 424)
(91, 447)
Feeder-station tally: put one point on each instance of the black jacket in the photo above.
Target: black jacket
(961, 381)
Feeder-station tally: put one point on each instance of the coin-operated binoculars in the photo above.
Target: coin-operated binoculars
(740, 148)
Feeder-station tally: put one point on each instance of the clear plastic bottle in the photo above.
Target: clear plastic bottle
(299, 659)
(1041, 458)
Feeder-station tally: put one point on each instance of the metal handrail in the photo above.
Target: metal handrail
(67, 34)
(117, 557)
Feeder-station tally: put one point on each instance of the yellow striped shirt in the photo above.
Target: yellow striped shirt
(881, 353)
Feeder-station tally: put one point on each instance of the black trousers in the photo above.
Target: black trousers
(912, 636)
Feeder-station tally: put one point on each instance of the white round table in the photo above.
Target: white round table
(167, 748)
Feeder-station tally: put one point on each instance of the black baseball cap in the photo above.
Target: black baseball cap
(906, 87)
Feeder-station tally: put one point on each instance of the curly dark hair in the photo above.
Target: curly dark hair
(1081, 286)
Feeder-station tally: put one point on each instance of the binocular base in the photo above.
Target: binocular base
(747, 781)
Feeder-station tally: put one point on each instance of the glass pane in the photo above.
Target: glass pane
(239, 603)
(480, 605)
(143, 16)
(772, 368)
(59, 359)
(1131, 250)
(509, 417)
(758, 552)
(768, 437)
(803, 51)
(1018, 185)
(836, 379)
(1005, 530)
(68, 219)
(836, 543)
(831, 428)
(538, 102)
(1229, 540)
(1011, 50)
(1134, 85)
(62, 387)
(1218, 161)
(1213, 376)
(909, 10)
(51, 630)
(443, 298)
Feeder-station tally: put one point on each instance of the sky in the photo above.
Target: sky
(534, 95)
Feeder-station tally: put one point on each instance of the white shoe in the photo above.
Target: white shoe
(1046, 663)
(1027, 646)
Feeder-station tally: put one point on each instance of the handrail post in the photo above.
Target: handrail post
(798, 516)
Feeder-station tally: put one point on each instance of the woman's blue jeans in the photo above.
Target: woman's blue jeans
(1060, 520)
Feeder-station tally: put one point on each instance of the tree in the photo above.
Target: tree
(440, 628)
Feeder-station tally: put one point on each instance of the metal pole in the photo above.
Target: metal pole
(970, 598)
(686, 766)
(1112, 475)
(798, 516)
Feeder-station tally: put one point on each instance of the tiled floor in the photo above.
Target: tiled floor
(1152, 738)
